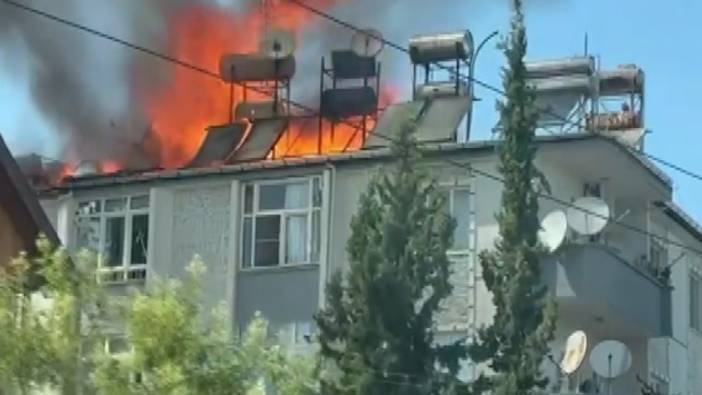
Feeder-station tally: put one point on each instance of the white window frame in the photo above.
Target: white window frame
(449, 189)
(695, 322)
(310, 210)
(126, 271)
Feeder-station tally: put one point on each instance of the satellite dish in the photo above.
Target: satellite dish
(576, 348)
(553, 230)
(367, 43)
(588, 215)
(278, 44)
(610, 359)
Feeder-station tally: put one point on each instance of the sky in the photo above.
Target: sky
(660, 37)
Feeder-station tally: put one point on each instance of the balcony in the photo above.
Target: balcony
(593, 284)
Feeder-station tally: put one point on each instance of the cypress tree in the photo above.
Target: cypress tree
(377, 331)
(514, 345)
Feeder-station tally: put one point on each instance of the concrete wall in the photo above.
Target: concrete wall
(203, 216)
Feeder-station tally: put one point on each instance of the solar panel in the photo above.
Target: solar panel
(390, 122)
(219, 143)
(260, 141)
(441, 118)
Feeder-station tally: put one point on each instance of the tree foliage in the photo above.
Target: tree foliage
(52, 337)
(377, 330)
(515, 344)
(180, 349)
(47, 332)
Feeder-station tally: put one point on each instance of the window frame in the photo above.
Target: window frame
(449, 189)
(283, 213)
(125, 270)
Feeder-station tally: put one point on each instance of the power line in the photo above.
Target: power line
(390, 139)
(492, 88)
(562, 202)
(673, 166)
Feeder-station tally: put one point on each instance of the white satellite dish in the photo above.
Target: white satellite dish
(367, 43)
(553, 230)
(278, 44)
(588, 215)
(576, 348)
(610, 359)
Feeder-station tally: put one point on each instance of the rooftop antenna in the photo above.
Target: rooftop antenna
(587, 49)
(367, 43)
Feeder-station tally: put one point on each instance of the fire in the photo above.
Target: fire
(200, 34)
(302, 137)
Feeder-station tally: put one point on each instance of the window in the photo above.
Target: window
(696, 302)
(281, 223)
(458, 206)
(118, 230)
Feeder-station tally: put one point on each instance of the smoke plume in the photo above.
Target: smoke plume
(85, 85)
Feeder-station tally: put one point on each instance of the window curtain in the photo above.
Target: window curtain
(296, 239)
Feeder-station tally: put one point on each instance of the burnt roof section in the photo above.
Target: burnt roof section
(431, 150)
(20, 201)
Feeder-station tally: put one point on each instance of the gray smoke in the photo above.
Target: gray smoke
(83, 84)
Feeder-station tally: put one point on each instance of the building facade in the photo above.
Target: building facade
(272, 232)
(22, 219)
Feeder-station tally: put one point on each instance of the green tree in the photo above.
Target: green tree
(177, 348)
(377, 330)
(47, 331)
(516, 342)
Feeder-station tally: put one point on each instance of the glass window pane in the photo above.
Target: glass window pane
(248, 198)
(140, 239)
(246, 242)
(88, 234)
(317, 192)
(271, 197)
(88, 208)
(297, 195)
(139, 202)
(296, 239)
(461, 212)
(316, 233)
(267, 242)
(113, 205)
(114, 241)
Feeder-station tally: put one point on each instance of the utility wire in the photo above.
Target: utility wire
(485, 85)
(454, 163)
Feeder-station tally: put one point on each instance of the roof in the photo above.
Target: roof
(20, 200)
(679, 216)
(431, 149)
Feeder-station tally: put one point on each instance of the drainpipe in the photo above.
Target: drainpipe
(326, 231)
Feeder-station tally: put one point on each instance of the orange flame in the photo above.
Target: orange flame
(302, 137)
(191, 101)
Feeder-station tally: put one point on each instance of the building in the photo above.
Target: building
(21, 217)
(272, 231)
